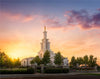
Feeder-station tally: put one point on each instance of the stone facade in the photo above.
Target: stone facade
(26, 61)
(65, 62)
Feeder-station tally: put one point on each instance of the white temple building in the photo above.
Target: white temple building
(45, 45)
(26, 61)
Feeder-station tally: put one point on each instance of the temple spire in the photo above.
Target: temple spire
(44, 28)
(45, 33)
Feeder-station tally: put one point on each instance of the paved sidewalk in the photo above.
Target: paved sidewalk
(40, 75)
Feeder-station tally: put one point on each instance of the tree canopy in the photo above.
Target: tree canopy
(6, 61)
(36, 60)
(87, 60)
(73, 61)
(58, 59)
(46, 58)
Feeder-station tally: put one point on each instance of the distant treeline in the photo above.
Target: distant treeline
(89, 61)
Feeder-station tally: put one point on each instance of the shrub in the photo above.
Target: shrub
(56, 70)
(30, 70)
(18, 71)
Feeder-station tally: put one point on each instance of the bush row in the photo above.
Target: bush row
(88, 68)
(19, 71)
(56, 70)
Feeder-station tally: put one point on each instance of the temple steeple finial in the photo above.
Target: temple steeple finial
(44, 28)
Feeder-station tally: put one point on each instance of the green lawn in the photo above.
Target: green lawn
(91, 74)
(13, 69)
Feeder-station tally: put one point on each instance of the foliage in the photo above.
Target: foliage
(79, 60)
(87, 60)
(36, 60)
(92, 61)
(5, 61)
(56, 70)
(46, 58)
(73, 61)
(30, 70)
(18, 71)
(58, 59)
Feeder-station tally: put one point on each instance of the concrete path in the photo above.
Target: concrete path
(39, 75)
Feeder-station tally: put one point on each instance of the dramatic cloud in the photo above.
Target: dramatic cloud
(83, 19)
(72, 18)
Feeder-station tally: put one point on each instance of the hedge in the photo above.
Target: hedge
(56, 70)
(18, 71)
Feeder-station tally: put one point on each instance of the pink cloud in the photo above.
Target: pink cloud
(81, 19)
(8, 16)
(28, 18)
(52, 22)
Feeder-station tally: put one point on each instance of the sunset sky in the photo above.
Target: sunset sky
(73, 27)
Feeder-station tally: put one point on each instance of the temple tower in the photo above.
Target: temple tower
(45, 44)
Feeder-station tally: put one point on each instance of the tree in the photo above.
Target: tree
(79, 60)
(17, 62)
(36, 60)
(73, 61)
(6, 61)
(58, 59)
(92, 61)
(85, 60)
(9, 63)
(46, 58)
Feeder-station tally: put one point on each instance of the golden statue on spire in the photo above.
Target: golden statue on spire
(44, 28)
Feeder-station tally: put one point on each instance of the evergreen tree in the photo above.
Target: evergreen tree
(58, 59)
(46, 58)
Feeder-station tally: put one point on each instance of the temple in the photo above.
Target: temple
(45, 45)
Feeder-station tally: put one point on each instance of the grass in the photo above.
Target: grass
(14, 69)
(91, 74)
(17, 71)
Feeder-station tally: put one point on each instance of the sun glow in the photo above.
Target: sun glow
(20, 51)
